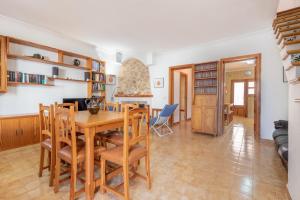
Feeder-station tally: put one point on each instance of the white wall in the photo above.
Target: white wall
(294, 142)
(287, 4)
(274, 91)
(25, 99)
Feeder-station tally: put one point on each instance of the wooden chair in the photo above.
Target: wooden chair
(136, 146)
(115, 137)
(68, 105)
(68, 149)
(111, 106)
(46, 120)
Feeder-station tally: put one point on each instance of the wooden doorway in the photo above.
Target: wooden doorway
(183, 97)
(172, 69)
(257, 95)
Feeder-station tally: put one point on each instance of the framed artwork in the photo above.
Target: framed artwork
(111, 79)
(159, 82)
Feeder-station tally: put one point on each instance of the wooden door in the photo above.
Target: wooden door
(9, 133)
(239, 97)
(183, 97)
(27, 130)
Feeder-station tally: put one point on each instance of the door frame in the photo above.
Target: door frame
(171, 85)
(257, 95)
(185, 108)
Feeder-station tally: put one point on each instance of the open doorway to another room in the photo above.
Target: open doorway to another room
(241, 92)
(182, 94)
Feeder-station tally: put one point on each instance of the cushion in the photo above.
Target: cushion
(47, 144)
(283, 151)
(115, 154)
(280, 140)
(280, 132)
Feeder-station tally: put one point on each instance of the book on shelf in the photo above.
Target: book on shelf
(98, 87)
(97, 66)
(212, 90)
(207, 66)
(205, 83)
(209, 74)
(98, 77)
(15, 76)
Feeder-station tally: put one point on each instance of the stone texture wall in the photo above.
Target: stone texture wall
(134, 78)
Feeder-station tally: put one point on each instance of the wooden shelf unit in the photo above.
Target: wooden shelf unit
(49, 62)
(205, 98)
(6, 41)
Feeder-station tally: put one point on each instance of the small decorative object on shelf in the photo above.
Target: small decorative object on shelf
(38, 56)
(76, 62)
(55, 72)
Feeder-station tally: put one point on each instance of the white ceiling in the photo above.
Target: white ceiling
(145, 25)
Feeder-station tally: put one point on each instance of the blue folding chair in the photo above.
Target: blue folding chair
(161, 121)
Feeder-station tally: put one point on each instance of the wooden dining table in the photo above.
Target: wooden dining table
(89, 125)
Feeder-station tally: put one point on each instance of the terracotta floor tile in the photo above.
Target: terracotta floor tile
(184, 166)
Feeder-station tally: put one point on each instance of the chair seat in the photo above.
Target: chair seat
(66, 153)
(113, 137)
(47, 144)
(115, 154)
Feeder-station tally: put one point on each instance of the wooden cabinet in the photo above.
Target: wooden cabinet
(205, 98)
(18, 131)
(204, 114)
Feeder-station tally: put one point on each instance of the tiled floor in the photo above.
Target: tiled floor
(184, 166)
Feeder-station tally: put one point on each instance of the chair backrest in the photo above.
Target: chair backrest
(131, 106)
(135, 121)
(46, 120)
(68, 105)
(65, 131)
(111, 106)
(168, 110)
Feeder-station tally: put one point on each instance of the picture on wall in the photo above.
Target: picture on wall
(159, 82)
(111, 79)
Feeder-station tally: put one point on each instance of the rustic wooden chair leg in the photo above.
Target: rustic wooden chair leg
(126, 182)
(73, 181)
(57, 174)
(147, 164)
(42, 156)
(103, 176)
(49, 160)
(52, 169)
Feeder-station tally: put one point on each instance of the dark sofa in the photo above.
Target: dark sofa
(281, 139)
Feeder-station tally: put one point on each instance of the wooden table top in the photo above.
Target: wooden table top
(84, 119)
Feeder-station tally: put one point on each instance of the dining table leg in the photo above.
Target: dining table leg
(89, 162)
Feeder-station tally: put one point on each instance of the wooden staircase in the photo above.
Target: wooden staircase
(286, 28)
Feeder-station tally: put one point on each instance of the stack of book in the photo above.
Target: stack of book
(96, 66)
(15, 76)
(98, 77)
(98, 87)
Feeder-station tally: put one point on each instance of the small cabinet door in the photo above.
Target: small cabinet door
(197, 118)
(10, 132)
(27, 131)
(209, 120)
